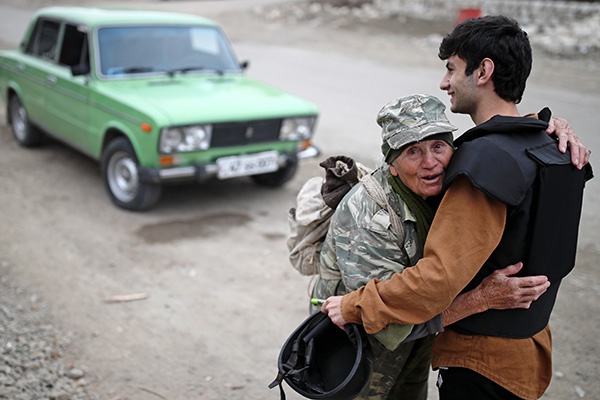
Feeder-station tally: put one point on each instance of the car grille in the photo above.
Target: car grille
(243, 133)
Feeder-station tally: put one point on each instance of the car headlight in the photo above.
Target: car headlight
(297, 128)
(185, 138)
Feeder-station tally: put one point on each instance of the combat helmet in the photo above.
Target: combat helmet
(321, 361)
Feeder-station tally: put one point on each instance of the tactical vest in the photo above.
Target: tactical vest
(543, 192)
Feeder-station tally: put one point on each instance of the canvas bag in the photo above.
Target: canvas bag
(316, 202)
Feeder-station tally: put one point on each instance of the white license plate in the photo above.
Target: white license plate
(251, 164)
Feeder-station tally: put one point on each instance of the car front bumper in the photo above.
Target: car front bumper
(204, 172)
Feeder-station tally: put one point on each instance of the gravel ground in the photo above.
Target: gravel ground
(35, 359)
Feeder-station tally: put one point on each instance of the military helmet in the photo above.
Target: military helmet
(321, 361)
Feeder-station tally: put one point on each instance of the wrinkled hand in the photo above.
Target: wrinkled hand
(560, 127)
(333, 308)
(501, 291)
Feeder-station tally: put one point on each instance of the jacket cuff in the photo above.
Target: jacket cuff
(350, 313)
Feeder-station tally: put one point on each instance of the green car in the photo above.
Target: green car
(155, 97)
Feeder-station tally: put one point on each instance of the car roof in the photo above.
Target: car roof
(98, 16)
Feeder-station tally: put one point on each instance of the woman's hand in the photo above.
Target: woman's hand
(499, 291)
(567, 137)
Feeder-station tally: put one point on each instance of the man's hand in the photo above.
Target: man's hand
(580, 156)
(333, 308)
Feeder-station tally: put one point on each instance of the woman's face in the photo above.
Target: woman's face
(422, 166)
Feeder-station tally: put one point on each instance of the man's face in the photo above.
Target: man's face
(460, 87)
(422, 166)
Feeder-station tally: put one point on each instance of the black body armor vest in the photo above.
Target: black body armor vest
(513, 160)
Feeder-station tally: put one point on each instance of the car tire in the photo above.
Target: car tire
(278, 178)
(120, 170)
(26, 134)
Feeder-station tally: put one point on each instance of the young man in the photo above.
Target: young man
(510, 196)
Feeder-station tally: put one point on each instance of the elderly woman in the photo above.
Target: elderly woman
(361, 246)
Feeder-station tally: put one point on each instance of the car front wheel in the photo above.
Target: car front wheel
(121, 178)
(24, 132)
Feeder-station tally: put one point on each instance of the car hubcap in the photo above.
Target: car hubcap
(123, 177)
(19, 116)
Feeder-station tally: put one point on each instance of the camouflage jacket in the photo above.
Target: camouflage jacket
(360, 246)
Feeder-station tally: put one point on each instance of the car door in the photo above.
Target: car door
(33, 69)
(67, 97)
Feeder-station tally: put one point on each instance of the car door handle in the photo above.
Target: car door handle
(51, 79)
(21, 67)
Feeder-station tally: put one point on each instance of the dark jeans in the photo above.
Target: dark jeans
(463, 384)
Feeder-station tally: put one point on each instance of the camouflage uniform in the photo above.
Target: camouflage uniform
(361, 243)
(360, 246)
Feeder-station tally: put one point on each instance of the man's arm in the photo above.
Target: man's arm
(499, 291)
(467, 228)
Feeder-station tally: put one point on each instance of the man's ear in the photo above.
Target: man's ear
(485, 71)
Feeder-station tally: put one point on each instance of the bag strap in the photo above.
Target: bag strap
(376, 192)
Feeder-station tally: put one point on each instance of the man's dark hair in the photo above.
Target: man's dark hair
(500, 39)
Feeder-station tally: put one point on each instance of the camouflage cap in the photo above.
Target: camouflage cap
(411, 119)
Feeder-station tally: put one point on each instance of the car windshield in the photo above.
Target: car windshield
(164, 49)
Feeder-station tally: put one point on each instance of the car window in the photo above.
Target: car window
(159, 49)
(44, 40)
(74, 49)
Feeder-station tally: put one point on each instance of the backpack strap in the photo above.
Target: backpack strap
(376, 192)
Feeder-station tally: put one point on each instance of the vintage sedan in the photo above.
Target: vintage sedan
(155, 97)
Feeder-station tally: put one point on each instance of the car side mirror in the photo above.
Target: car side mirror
(245, 64)
(81, 69)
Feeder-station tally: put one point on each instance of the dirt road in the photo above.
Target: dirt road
(221, 295)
